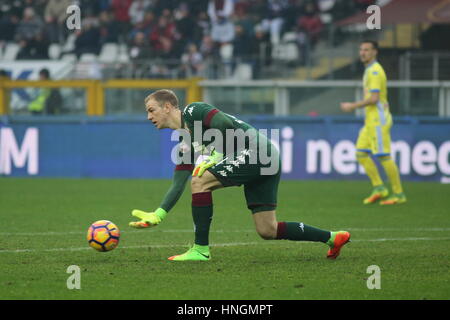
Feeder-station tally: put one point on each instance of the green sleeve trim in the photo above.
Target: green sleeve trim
(222, 122)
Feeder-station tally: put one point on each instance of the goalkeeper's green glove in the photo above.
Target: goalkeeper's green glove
(147, 219)
(212, 160)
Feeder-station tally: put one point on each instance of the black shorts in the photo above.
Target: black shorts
(260, 180)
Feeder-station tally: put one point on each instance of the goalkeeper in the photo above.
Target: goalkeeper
(229, 165)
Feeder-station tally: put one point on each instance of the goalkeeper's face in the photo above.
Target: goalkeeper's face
(157, 114)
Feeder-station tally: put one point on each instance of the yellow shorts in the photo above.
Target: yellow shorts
(375, 139)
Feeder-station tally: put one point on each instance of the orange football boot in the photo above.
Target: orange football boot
(337, 241)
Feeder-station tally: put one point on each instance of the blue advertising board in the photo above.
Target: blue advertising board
(311, 148)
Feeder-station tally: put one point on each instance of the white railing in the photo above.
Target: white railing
(424, 65)
(282, 103)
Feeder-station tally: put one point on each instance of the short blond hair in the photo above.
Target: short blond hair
(163, 96)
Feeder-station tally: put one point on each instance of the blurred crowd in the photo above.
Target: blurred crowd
(190, 31)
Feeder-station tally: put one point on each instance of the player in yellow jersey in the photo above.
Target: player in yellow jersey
(374, 138)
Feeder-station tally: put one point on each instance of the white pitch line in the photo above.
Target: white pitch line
(401, 239)
(130, 247)
(398, 229)
(230, 244)
(51, 233)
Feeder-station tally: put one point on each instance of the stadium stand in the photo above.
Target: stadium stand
(169, 27)
(11, 51)
(299, 39)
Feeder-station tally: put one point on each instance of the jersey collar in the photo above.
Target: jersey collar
(371, 64)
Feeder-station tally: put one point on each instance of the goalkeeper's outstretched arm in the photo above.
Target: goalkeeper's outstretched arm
(180, 178)
(151, 219)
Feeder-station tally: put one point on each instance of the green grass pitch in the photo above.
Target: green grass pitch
(43, 224)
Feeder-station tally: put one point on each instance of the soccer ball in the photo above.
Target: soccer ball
(103, 235)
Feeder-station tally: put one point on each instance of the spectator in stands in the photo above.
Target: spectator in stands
(291, 16)
(29, 26)
(41, 45)
(192, 61)
(327, 9)
(167, 13)
(303, 46)
(222, 33)
(12, 8)
(24, 51)
(56, 11)
(121, 15)
(207, 46)
(146, 26)
(38, 6)
(242, 44)
(140, 48)
(222, 28)
(210, 56)
(177, 24)
(311, 24)
(245, 48)
(88, 38)
(8, 26)
(245, 16)
(241, 8)
(162, 38)
(139, 51)
(47, 100)
(137, 10)
(109, 31)
(261, 49)
(203, 25)
(273, 22)
(185, 25)
(55, 20)
(34, 49)
(149, 22)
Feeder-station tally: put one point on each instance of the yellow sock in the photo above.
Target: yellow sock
(392, 172)
(371, 169)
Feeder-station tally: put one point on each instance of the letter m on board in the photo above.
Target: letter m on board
(13, 154)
